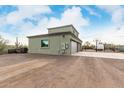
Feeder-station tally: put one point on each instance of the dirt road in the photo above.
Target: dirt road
(60, 71)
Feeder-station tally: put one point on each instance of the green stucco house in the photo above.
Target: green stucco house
(121, 48)
(59, 41)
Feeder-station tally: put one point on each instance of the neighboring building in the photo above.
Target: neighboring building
(121, 48)
(100, 46)
(59, 41)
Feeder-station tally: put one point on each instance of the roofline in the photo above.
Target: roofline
(63, 26)
(52, 35)
(48, 34)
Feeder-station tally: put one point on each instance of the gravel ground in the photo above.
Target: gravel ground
(28, 70)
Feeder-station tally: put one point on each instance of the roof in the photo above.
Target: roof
(121, 45)
(52, 34)
(64, 26)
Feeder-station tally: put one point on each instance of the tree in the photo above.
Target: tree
(92, 46)
(87, 45)
(17, 44)
(3, 44)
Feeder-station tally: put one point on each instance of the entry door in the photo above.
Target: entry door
(73, 47)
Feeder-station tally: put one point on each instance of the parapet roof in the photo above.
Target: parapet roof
(63, 27)
(52, 34)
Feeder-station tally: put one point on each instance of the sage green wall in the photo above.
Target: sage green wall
(75, 39)
(58, 30)
(63, 29)
(71, 37)
(54, 44)
(121, 48)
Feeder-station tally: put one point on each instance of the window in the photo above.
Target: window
(44, 43)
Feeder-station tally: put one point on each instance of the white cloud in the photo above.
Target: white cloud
(26, 11)
(41, 28)
(27, 29)
(7, 36)
(24, 29)
(113, 34)
(91, 11)
(109, 8)
(108, 35)
(116, 12)
(2, 21)
(70, 16)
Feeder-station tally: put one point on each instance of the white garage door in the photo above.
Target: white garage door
(73, 47)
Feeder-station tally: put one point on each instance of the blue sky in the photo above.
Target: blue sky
(92, 22)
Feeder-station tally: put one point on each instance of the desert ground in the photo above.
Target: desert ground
(113, 55)
(45, 71)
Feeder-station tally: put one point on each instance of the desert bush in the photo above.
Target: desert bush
(3, 44)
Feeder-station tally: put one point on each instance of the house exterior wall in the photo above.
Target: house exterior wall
(79, 47)
(72, 38)
(55, 45)
(59, 41)
(121, 48)
(58, 30)
(63, 29)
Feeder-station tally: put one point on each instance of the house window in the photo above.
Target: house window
(45, 43)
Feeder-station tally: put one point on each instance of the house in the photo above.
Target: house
(121, 48)
(59, 41)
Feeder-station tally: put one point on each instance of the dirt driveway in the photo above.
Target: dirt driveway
(28, 70)
(101, 54)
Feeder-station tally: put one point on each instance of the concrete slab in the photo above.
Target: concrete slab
(101, 55)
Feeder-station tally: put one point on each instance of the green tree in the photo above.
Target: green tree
(87, 45)
(3, 44)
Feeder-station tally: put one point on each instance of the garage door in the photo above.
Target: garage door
(73, 47)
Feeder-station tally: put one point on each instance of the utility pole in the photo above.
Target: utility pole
(96, 45)
(104, 46)
(17, 43)
(96, 41)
